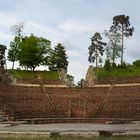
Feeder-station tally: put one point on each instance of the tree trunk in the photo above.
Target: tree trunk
(96, 64)
(13, 65)
(96, 59)
(122, 47)
(33, 69)
(113, 57)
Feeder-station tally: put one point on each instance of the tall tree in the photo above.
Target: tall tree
(121, 24)
(113, 47)
(96, 49)
(33, 51)
(58, 58)
(14, 45)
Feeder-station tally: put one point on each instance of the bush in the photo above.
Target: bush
(136, 63)
(114, 65)
(123, 66)
(107, 65)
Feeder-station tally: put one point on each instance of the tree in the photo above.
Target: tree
(96, 48)
(113, 47)
(13, 51)
(33, 51)
(14, 45)
(58, 58)
(122, 25)
(70, 80)
(82, 83)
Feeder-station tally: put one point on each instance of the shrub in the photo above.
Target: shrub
(136, 63)
(107, 65)
(114, 65)
(123, 66)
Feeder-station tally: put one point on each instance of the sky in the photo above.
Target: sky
(72, 23)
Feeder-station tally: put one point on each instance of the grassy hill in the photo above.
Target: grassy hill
(129, 71)
(23, 74)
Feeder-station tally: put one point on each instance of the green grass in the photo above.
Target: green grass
(23, 74)
(53, 75)
(72, 138)
(119, 72)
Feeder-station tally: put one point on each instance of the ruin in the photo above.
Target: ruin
(90, 77)
(42, 104)
(46, 105)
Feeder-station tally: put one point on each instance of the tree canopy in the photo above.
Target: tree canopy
(96, 49)
(122, 24)
(59, 58)
(33, 51)
(113, 47)
(15, 44)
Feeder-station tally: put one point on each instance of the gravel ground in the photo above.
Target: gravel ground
(62, 127)
(82, 130)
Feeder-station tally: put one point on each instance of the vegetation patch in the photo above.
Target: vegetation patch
(23, 74)
(129, 71)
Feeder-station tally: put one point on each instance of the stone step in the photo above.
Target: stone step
(1, 118)
(1, 113)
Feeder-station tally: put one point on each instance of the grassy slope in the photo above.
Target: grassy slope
(53, 75)
(22, 74)
(127, 72)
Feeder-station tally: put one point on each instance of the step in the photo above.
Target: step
(1, 119)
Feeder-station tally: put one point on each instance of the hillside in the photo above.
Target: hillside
(23, 74)
(119, 72)
(130, 74)
(47, 77)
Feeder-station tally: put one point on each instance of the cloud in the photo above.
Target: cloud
(5, 25)
(133, 49)
(7, 20)
(4, 36)
(71, 23)
(73, 26)
(78, 69)
(81, 26)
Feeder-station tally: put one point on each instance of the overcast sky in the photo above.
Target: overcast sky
(72, 23)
